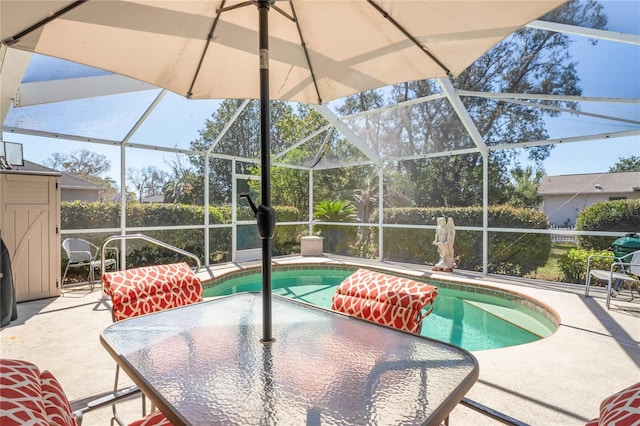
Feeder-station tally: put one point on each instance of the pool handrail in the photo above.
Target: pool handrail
(150, 240)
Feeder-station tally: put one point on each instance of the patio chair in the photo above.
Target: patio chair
(31, 396)
(81, 254)
(149, 289)
(624, 268)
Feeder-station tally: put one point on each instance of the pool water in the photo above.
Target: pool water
(470, 320)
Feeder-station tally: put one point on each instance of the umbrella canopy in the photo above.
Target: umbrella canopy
(320, 50)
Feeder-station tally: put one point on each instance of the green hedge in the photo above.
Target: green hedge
(83, 215)
(574, 264)
(613, 216)
(509, 253)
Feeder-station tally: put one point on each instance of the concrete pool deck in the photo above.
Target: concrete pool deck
(559, 380)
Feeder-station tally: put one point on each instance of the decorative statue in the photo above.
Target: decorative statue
(445, 235)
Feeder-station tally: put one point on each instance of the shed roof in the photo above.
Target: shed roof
(67, 180)
(592, 183)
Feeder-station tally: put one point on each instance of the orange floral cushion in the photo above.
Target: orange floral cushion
(386, 299)
(150, 289)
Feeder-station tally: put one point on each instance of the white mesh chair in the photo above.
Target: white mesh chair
(625, 268)
(82, 254)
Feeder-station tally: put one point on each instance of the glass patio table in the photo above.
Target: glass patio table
(204, 364)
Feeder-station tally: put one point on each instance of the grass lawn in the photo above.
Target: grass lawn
(551, 271)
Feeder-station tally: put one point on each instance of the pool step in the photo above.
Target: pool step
(513, 316)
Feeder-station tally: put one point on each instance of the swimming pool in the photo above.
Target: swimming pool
(469, 316)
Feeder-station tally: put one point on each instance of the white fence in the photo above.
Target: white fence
(563, 238)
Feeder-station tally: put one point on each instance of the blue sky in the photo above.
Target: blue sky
(611, 70)
(607, 69)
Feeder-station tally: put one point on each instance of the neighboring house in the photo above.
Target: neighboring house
(565, 196)
(153, 199)
(72, 188)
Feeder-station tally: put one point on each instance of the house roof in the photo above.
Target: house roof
(154, 199)
(67, 181)
(593, 183)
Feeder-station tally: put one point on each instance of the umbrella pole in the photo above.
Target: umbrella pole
(265, 214)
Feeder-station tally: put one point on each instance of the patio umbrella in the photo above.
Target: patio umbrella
(312, 51)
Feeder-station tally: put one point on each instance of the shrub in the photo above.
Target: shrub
(83, 215)
(574, 264)
(337, 239)
(616, 216)
(285, 238)
(509, 253)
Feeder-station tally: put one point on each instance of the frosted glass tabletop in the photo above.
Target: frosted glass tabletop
(204, 364)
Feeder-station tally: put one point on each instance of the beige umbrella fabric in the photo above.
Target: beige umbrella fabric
(310, 51)
(320, 50)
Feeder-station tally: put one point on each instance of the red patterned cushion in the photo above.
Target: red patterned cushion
(593, 422)
(622, 408)
(154, 419)
(149, 289)
(56, 403)
(20, 394)
(34, 398)
(385, 299)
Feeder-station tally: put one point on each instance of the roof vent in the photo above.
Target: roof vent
(597, 186)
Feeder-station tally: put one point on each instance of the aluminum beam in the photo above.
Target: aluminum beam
(585, 32)
(44, 92)
(347, 132)
(463, 114)
(13, 64)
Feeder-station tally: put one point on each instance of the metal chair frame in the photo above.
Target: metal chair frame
(82, 253)
(620, 269)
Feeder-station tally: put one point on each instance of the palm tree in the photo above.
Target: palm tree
(336, 237)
